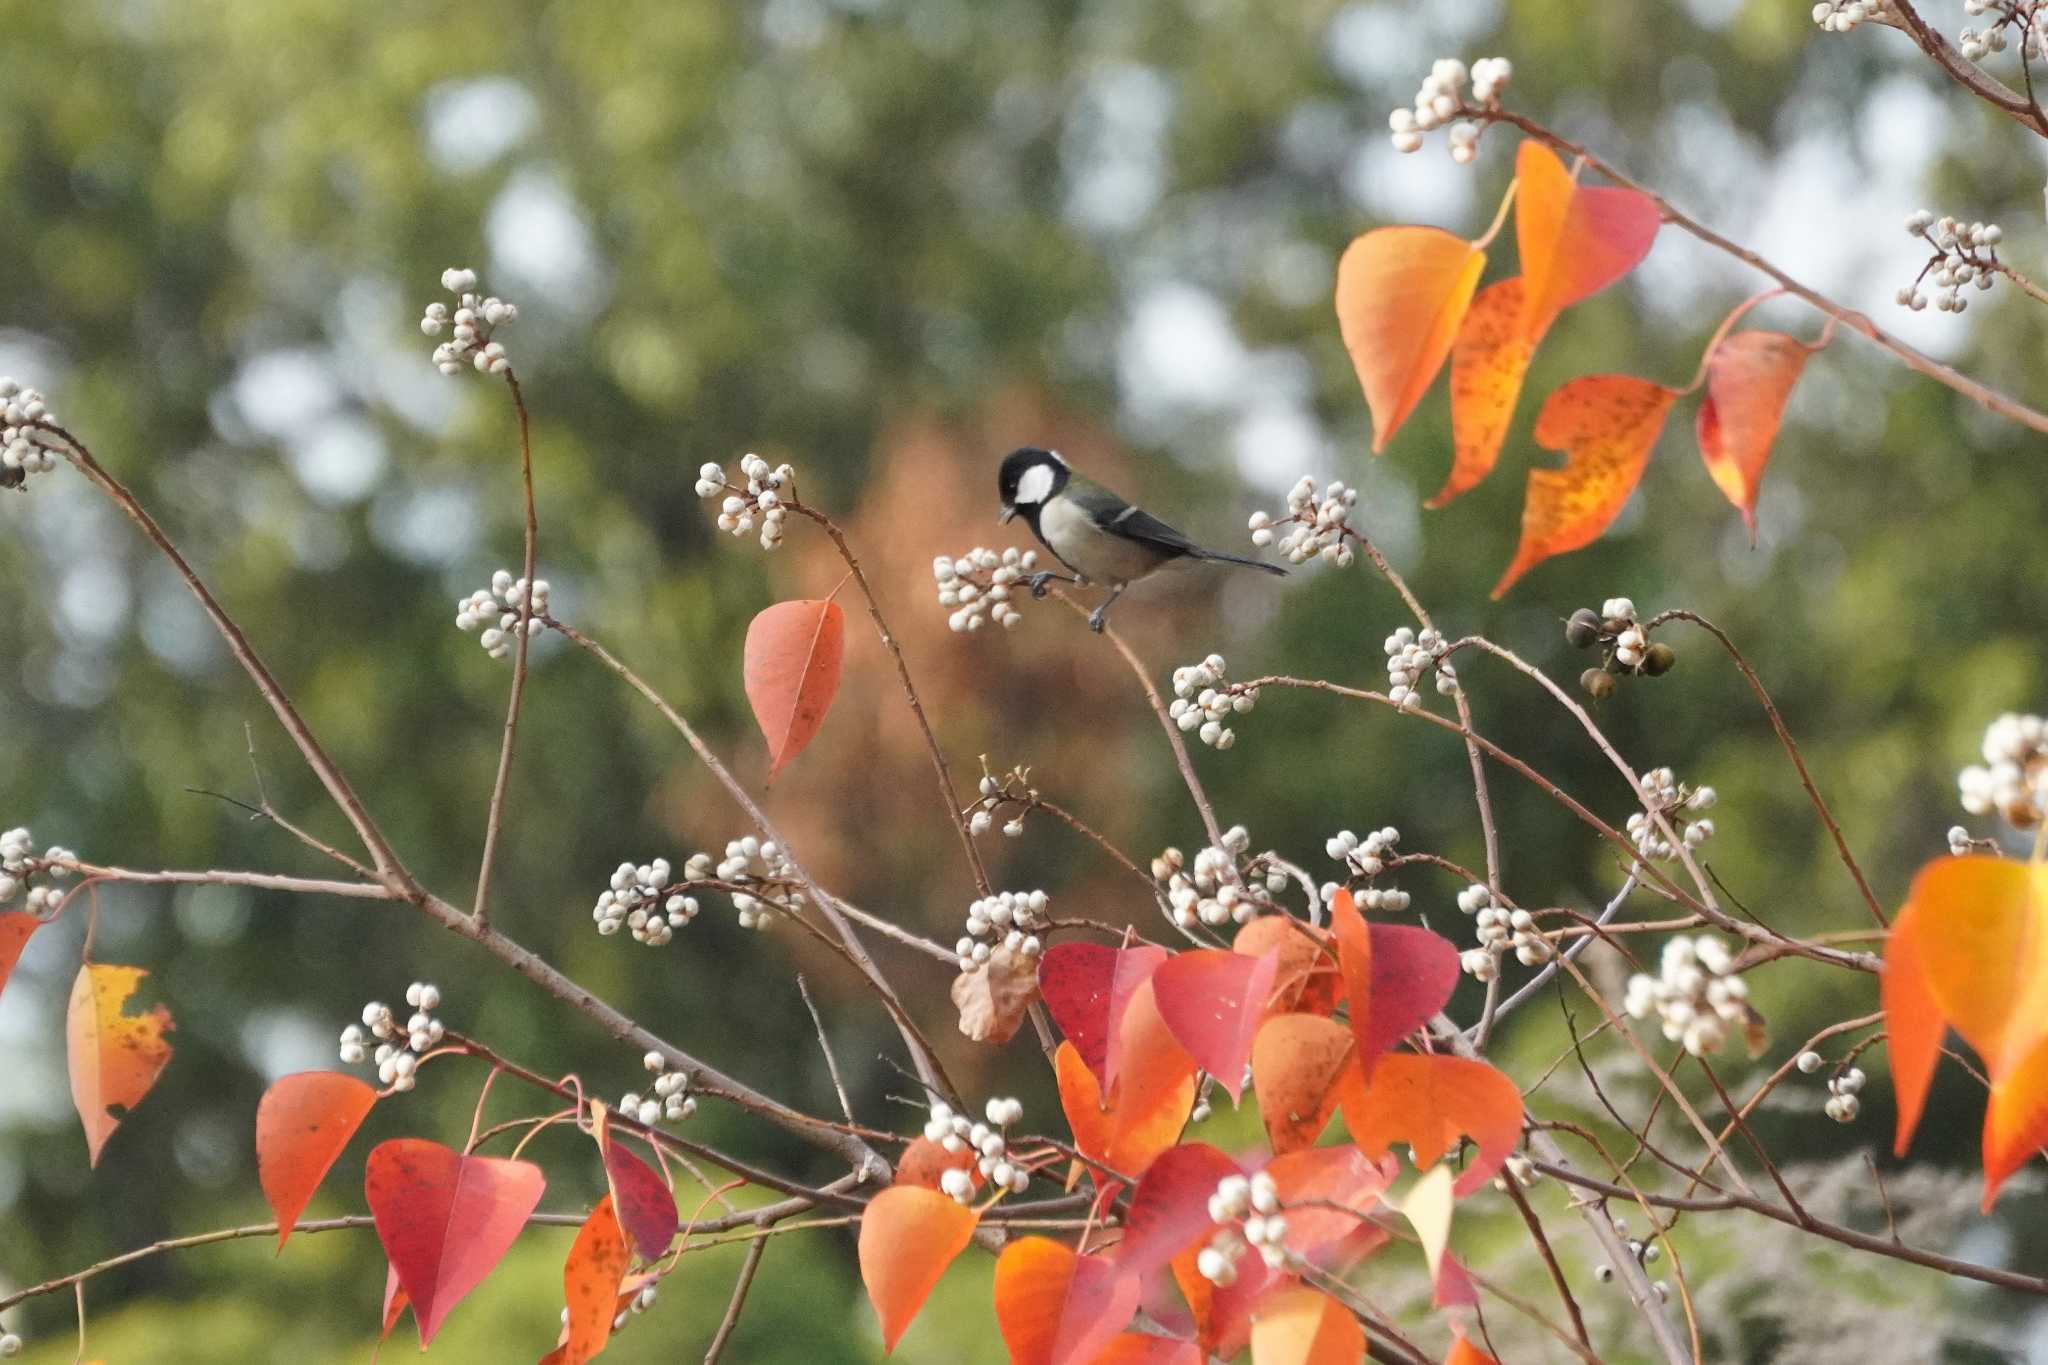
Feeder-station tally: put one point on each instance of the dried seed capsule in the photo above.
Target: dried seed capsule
(1599, 684)
(1583, 630)
(1658, 658)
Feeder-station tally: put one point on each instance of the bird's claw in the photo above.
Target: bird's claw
(1096, 620)
(1038, 583)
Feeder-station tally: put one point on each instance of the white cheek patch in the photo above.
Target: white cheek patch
(1036, 485)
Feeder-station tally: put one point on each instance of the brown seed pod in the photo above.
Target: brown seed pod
(1599, 684)
(1658, 658)
(1583, 630)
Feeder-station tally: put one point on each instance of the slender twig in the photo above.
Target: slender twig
(1536, 1235)
(1551, 968)
(825, 1046)
(495, 820)
(262, 881)
(755, 1248)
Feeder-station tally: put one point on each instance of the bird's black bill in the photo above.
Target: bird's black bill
(1009, 510)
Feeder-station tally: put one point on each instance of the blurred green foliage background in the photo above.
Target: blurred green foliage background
(888, 240)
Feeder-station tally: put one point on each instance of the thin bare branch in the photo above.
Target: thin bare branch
(495, 820)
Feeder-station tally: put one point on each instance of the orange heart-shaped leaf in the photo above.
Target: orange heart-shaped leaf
(1306, 980)
(1428, 1102)
(793, 654)
(115, 1057)
(1212, 1000)
(1056, 1308)
(303, 1122)
(1128, 1133)
(1302, 1326)
(908, 1236)
(1487, 365)
(1573, 241)
(1606, 424)
(1401, 293)
(1298, 1062)
(925, 1163)
(1749, 380)
(15, 927)
(1913, 1025)
(445, 1219)
(1463, 1352)
(590, 1286)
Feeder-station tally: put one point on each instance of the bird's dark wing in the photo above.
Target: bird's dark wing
(1112, 514)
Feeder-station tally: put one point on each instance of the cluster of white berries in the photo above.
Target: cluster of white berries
(399, 1047)
(1012, 788)
(18, 864)
(763, 497)
(1842, 16)
(25, 447)
(2013, 779)
(1695, 994)
(642, 1301)
(1438, 101)
(980, 584)
(471, 326)
(1201, 702)
(1008, 919)
(1409, 657)
(1499, 930)
(1681, 806)
(640, 899)
(1316, 524)
(11, 1345)
(1248, 1214)
(1842, 1103)
(750, 860)
(1643, 1253)
(1212, 891)
(671, 1099)
(498, 608)
(1367, 859)
(1964, 254)
(990, 1141)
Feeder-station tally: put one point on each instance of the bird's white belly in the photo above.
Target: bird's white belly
(1098, 555)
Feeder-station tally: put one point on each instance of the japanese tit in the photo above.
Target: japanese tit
(1092, 531)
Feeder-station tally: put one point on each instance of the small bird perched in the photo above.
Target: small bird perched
(1091, 530)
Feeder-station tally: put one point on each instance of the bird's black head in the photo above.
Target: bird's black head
(1029, 477)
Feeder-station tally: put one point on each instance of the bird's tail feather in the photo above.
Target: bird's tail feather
(1240, 559)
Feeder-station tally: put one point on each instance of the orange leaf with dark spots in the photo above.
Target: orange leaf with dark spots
(1428, 1102)
(1487, 365)
(115, 1056)
(1573, 240)
(908, 1236)
(15, 927)
(1303, 1326)
(303, 1122)
(793, 654)
(445, 1219)
(1306, 979)
(1401, 293)
(1749, 380)
(1606, 424)
(1298, 1061)
(1056, 1308)
(590, 1286)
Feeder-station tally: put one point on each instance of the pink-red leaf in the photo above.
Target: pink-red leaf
(1213, 1001)
(645, 1205)
(1087, 988)
(115, 1056)
(1749, 380)
(908, 1236)
(445, 1219)
(1056, 1308)
(1170, 1209)
(302, 1124)
(1606, 424)
(1398, 977)
(1573, 241)
(793, 654)
(1401, 292)
(1141, 1348)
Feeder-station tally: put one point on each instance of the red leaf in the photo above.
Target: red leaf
(1401, 292)
(1427, 1102)
(1170, 1209)
(1056, 1308)
(1213, 1001)
(793, 654)
(115, 1057)
(1302, 1326)
(1297, 1062)
(445, 1219)
(1454, 1287)
(302, 1124)
(908, 1236)
(395, 1301)
(1749, 380)
(1087, 987)
(1398, 976)
(1487, 366)
(1607, 425)
(590, 1286)
(1573, 241)
(1913, 1026)
(1342, 1176)
(15, 927)
(645, 1205)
